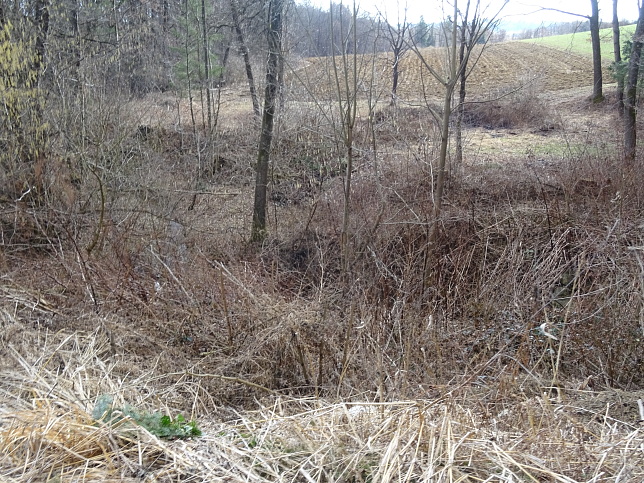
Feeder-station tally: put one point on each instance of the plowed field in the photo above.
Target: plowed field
(500, 68)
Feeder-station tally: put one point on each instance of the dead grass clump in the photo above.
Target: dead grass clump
(400, 125)
(47, 427)
(524, 108)
(511, 258)
(47, 432)
(292, 346)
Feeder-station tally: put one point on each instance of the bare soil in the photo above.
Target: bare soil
(501, 69)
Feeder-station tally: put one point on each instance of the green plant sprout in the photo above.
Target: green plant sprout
(159, 424)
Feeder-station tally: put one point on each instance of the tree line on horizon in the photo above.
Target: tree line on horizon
(560, 28)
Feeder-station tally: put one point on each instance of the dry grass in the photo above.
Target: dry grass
(48, 434)
(511, 351)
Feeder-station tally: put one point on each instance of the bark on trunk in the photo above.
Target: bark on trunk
(617, 48)
(630, 100)
(221, 81)
(442, 160)
(460, 113)
(42, 24)
(397, 38)
(439, 186)
(394, 77)
(263, 157)
(598, 95)
(246, 56)
(206, 65)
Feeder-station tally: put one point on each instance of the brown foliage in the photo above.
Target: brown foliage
(522, 243)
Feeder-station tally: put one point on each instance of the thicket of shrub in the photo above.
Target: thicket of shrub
(160, 242)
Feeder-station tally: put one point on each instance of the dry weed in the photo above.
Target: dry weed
(47, 432)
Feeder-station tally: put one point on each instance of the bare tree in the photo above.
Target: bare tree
(449, 80)
(617, 49)
(206, 65)
(351, 74)
(41, 8)
(630, 99)
(397, 38)
(274, 44)
(346, 83)
(598, 94)
(239, 33)
(474, 32)
(593, 19)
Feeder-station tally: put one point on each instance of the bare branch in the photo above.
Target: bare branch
(565, 12)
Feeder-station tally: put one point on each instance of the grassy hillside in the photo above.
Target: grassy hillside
(579, 43)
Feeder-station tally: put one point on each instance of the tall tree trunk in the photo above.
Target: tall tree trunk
(39, 141)
(117, 35)
(471, 32)
(346, 84)
(630, 100)
(270, 97)
(617, 49)
(221, 82)
(398, 39)
(206, 66)
(395, 74)
(598, 95)
(282, 60)
(439, 186)
(188, 77)
(447, 111)
(460, 112)
(42, 25)
(246, 55)
(76, 45)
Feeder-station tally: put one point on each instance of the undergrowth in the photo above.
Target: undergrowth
(522, 243)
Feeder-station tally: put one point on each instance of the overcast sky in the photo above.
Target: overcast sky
(516, 12)
(627, 9)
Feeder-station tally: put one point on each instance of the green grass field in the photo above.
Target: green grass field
(579, 43)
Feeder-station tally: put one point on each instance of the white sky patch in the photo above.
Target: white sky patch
(514, 12)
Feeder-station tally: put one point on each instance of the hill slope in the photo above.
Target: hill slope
(501, 68)
(579, 43)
